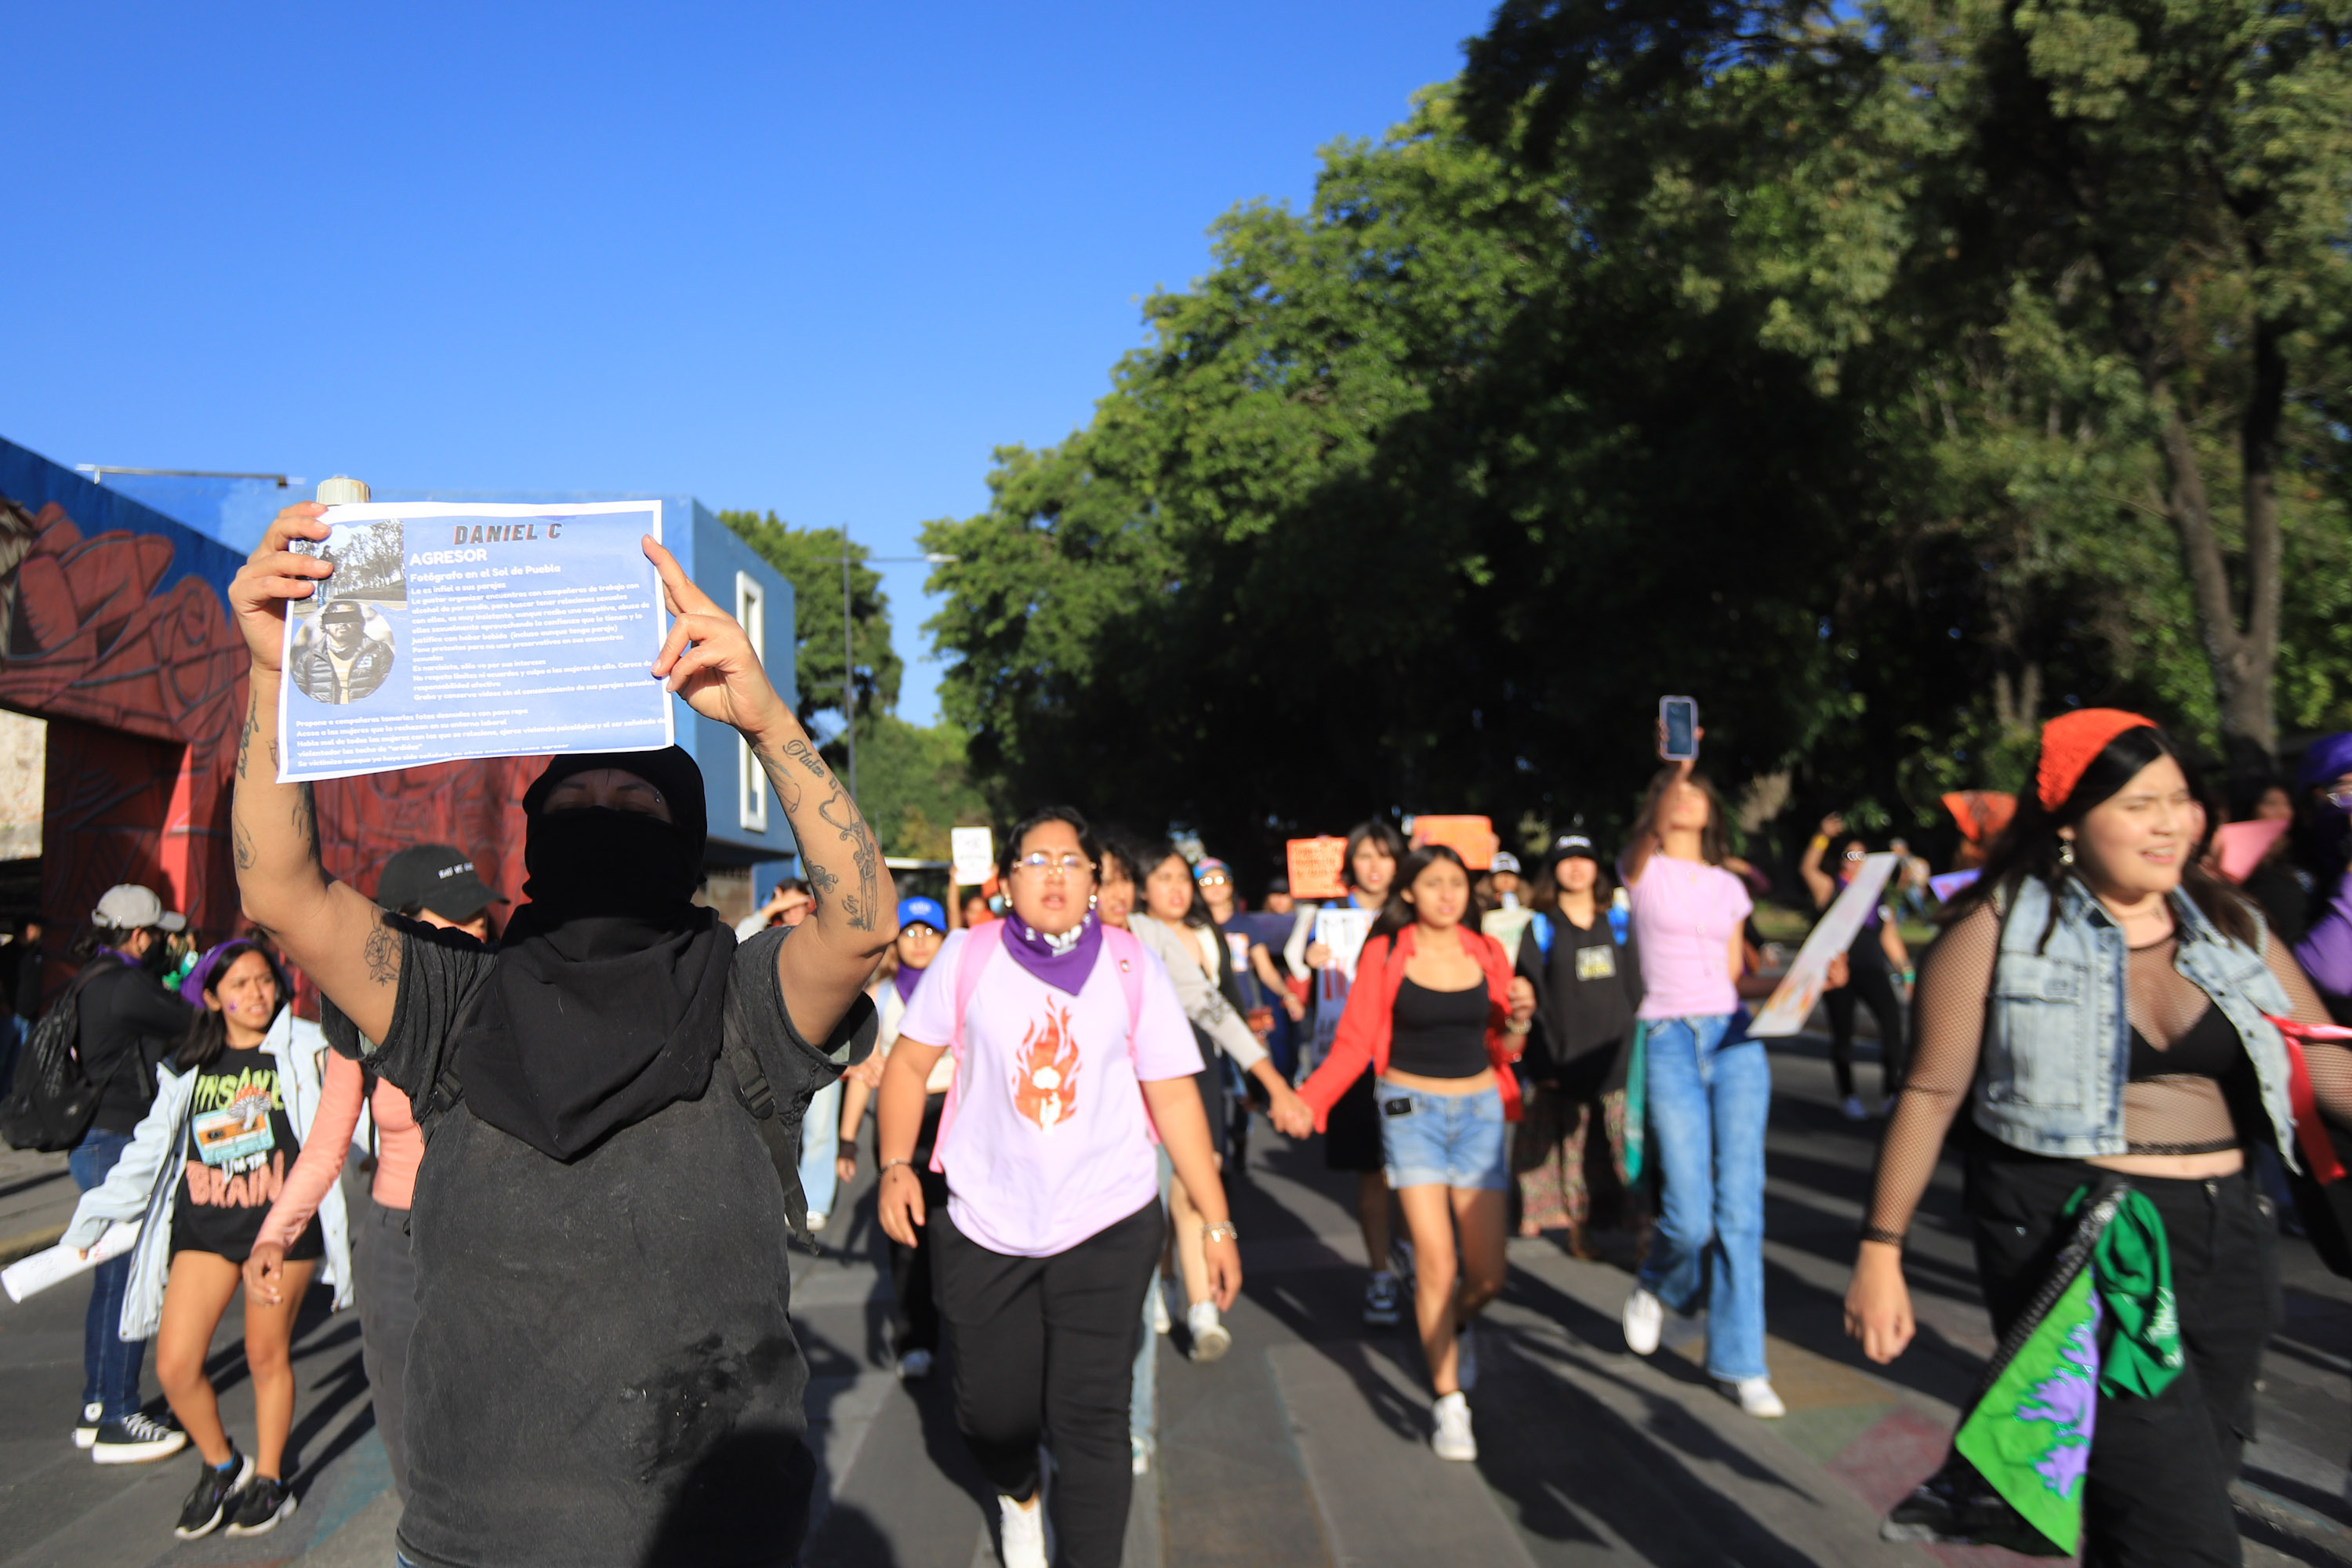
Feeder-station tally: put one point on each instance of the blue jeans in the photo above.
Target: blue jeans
(1143, 1382)
(110, 1363)
(1443, 1140)
(820, 1144)
(1708, 1098)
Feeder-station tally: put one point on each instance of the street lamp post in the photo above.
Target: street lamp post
(849, 642)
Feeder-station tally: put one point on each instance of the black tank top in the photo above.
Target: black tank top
(1438, 1034)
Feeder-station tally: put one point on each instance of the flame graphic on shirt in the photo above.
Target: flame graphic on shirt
(1045, 1075)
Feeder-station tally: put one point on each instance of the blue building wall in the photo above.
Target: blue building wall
(32, 481)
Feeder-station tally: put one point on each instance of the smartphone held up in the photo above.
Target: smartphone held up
(1677, 728)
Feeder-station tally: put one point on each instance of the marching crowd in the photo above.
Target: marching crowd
(593, 1126)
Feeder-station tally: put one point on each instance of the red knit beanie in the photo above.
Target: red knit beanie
(2070, 741)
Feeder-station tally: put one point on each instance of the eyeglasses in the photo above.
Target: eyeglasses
(2340, 797)
(1039, 863)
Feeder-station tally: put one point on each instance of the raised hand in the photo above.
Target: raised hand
(271, 576)
(708, 658)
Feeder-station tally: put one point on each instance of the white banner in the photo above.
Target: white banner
(1343, 930)
(1793, 1003)
(973, 850)
(54, 1265)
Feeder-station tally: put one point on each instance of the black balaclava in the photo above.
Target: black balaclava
(605, 1005)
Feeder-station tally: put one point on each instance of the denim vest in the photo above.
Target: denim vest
(2057, 1047)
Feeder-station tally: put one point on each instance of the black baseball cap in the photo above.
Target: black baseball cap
(343, 610)
(434, 876)
(1569, 846)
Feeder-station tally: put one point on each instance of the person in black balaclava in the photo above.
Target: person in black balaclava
(604, 1370)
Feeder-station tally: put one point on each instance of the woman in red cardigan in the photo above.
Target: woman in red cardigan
(1430, 1014)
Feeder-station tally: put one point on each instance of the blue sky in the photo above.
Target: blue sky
(817, 259)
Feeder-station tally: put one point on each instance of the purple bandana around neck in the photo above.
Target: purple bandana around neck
(905, 981)
(1065, 971)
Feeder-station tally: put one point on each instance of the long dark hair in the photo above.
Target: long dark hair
(1544, 895)
(2030, 845)
(1154, 852)
(1397, 913)
(1373, 831)
(207, 1034)
(1713, 841)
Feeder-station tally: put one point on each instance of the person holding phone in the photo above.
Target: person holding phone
(1708, 1086)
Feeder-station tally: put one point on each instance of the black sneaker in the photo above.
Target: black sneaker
(216, 1489)
(136, 1439)
(261, 1505)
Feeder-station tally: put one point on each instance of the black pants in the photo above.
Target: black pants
(914, 1311)
(1050, 1341)
(1872, 982)
(384, 1277)
(2158, 1486)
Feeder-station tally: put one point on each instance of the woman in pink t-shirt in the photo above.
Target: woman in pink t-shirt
(1070, 1048)
(1707, 1085)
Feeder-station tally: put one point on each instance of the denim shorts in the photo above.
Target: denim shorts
(1444, 1140)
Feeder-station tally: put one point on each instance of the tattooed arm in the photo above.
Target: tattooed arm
(332, 933)
(708, 660)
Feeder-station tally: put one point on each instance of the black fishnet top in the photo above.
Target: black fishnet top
(2165, 1112)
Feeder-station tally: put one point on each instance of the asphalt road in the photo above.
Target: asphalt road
(1307, 1445)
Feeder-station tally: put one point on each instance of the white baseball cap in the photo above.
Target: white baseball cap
(130, 907)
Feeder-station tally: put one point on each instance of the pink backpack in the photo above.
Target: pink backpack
(981, 945)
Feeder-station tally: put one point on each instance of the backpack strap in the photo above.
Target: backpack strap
(1128, 953)
(980, 945)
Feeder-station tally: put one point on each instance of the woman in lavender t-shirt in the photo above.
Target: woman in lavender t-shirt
(1070, 1048)
(1708, 1088)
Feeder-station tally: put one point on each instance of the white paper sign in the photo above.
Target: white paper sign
(974, 849)
(455, 629)
(1343, 930)
(1793, 1003)
(54, 1265)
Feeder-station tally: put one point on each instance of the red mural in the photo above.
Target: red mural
(87, 637)
(144, 689)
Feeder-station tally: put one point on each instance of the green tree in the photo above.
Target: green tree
(810, 560)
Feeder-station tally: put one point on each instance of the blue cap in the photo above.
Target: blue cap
(921, 911)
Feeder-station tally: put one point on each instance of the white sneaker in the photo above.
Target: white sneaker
(1756, 1397)
(1645, 1319)
(1451, 1440)
(1210, 1339)
(1138, 1451)
(816, 1223)
(1021, 1532)
(86, 1430)
(914, 1367)
(1160, 1323)
(1466, 1357)
(1854, 1109)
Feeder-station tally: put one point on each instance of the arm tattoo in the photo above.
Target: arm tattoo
(305, 821)
(383, 954)
(244, 739)
(839, 812)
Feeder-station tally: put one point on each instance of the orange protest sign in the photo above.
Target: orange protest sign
(1315, 867)
(1472, 837)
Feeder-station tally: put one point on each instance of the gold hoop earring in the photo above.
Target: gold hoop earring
(2066, 853)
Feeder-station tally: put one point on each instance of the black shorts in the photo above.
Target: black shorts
(235, 1244)
(1351, 1133)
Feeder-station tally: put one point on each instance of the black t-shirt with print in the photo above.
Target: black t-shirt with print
(240, 1146)
(605, 1370)
(1588, 990)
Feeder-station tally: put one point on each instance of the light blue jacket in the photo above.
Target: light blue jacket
(2057, 1047)
(145, 1180)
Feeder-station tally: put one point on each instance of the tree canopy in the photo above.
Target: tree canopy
(914, 781)
(1887, 379)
